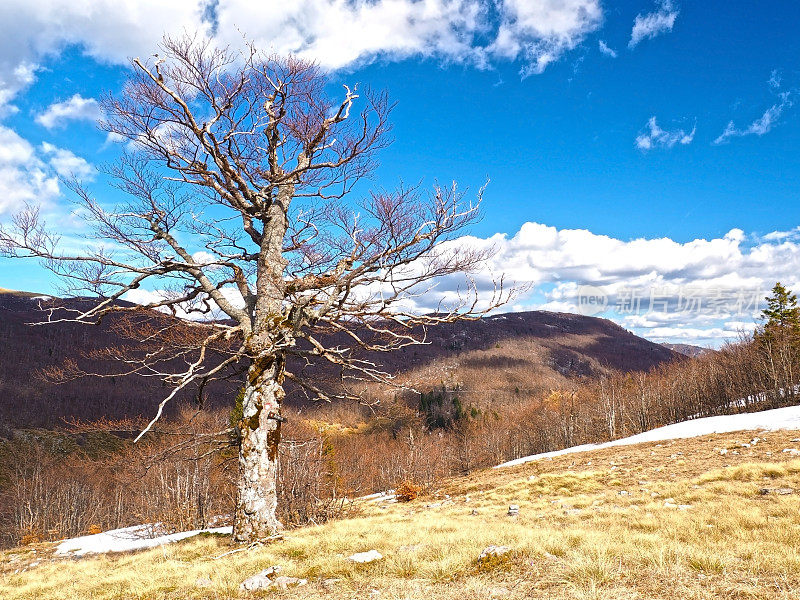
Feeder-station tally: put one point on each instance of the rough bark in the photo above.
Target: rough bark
(260, 426)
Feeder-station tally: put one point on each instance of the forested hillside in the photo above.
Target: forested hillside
(524, 351)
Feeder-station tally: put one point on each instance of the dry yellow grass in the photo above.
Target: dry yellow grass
(672, 520)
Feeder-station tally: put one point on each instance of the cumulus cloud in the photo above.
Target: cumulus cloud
(193, 310)
(655, 23)
(700, 291)
(760, 126)
(29, 175)
(106, 30)
(655, 137)
(67, 164)
(604, 49)
(76, 108)
(540, 32)
(336, 33)
(24, 176)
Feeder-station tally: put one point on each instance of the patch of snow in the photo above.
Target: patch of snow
(378, 497)
(767, 420)
(43, 298)
(137, 537)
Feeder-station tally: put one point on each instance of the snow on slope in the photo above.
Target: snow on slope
(767, 420)
(137, 537)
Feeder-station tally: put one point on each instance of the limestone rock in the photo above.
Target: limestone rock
(260, 581)
(365, 557)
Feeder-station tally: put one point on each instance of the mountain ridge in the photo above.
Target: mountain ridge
(545, 347)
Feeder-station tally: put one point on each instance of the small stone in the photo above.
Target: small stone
(493, 552)
(791, 451)
(203, 582)
(474, 512)
(260, 581)
(513, 510)
(365, 557)
(623, 493)
(549, 556)
(573, 511)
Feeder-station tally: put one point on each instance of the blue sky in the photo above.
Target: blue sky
(651, 147)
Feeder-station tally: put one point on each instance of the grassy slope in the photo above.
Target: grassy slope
(591, 525)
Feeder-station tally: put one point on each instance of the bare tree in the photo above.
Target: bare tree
(238, 173)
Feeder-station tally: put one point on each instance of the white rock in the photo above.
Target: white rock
(260, 581)
(365, 557)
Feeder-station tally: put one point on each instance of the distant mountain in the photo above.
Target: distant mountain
(688, 349)
(526, 352)
(26, 399)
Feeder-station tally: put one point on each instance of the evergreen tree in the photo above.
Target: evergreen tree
(782, 310)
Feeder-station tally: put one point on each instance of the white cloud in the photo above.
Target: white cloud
(774, 79)
(30, 175)
(24, 177)
(76, 108)
(760, 126)
(540, 32)
(184, 310)
(652, 24)
(655, 137)
(702, 291)
(604, 49)
(106, 30)
(335, 33)
(66, 164)
(339, 34)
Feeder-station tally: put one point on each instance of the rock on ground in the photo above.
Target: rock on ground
(269, 579)
(365, 557)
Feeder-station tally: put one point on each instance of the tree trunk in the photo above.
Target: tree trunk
(257, 497)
